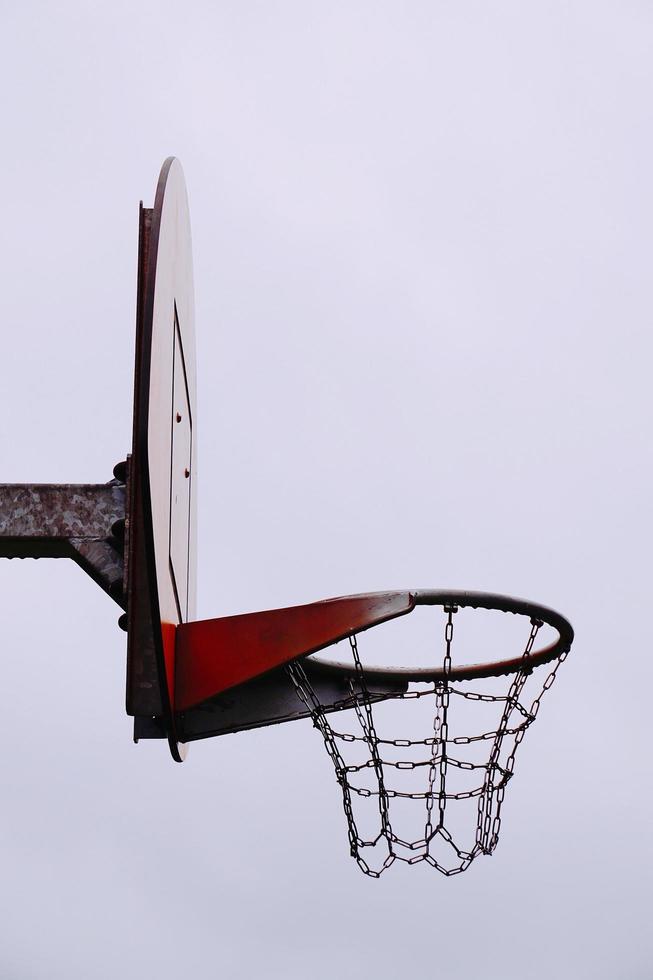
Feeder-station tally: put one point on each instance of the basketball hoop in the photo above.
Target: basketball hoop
(136, 537)
(444, 768)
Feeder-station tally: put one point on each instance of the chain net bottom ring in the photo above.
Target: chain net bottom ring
(448, 770)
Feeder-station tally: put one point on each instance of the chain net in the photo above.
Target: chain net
(424, 783)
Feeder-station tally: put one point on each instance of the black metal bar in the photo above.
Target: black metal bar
(269, 700)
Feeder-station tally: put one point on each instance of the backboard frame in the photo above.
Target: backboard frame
(161, 530)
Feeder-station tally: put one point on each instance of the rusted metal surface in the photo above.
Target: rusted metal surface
(82, 521)
(60, 510)
(103, 563)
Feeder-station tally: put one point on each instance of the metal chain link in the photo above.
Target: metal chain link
(442, 760)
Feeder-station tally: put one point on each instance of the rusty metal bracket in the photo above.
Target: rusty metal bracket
(83, 521)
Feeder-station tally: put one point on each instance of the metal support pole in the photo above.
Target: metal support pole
(82, 521)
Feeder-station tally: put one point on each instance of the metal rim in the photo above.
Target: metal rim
(472, 600)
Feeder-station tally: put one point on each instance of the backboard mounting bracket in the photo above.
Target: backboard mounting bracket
(82, 521)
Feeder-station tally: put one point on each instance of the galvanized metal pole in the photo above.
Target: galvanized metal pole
(82, 521)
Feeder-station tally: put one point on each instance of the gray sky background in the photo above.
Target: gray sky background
(423, 242)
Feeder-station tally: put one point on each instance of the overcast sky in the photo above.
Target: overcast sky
(423, 246)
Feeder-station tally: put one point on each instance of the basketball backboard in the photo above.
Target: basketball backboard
(169, 672)
(161, 532)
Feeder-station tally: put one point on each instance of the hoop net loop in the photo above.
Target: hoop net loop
(425, 780)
